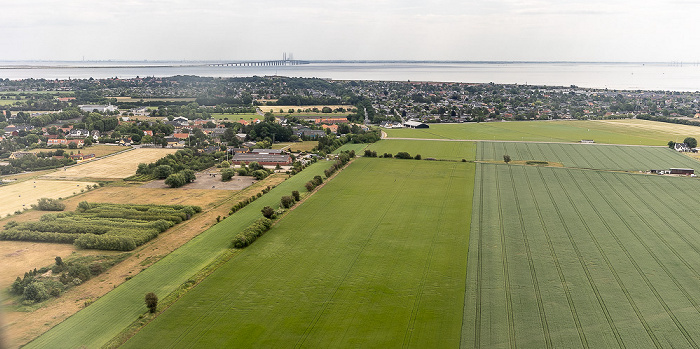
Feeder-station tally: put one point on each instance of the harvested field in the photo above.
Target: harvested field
(22, 195)
(206, 181)
(98, 149)
(113, 167)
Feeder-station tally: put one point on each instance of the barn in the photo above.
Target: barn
(415, 124)
(682, 171)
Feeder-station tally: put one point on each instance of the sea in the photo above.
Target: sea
(670, 76)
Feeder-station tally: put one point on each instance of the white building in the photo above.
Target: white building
(100, 108)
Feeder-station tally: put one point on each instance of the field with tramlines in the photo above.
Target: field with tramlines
(570, 258)
(427, 149)
(357, 265)
(603, 157)
(638, 132)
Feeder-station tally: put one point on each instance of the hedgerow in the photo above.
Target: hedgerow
(101, 226)
(250, 234)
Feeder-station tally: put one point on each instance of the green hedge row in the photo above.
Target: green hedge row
(250, 234)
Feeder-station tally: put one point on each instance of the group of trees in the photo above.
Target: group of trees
(37, 285)
(251, 233)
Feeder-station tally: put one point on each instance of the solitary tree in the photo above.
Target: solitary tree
(151, 301)
(671, 144)
(506, 158)
(691, 142)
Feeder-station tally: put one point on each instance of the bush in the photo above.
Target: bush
(403, 155)
(417, 157)
(268, 212)
(151, 302)
(46, 204)
(317, 180)
(163, 171)
(250, 234)
(36, 292)
(175, 180)
(309, 186)
(227, 174)
(296, 195)
(242, 171)
(287, 201)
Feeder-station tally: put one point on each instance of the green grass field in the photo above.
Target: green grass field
(95, 325)
(567, 258)
(357, 147)
(427, 149)
(604, 157)
(626, 132)
(236, 117)
(371, 260)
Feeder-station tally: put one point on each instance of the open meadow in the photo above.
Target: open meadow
(113, 167)
(371, 260)
(638, 132)
(19, 196)
(427, 149)
(591, 156)
(235, 117)
(98, 323)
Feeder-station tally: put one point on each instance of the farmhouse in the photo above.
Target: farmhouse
(587, 141)
(78, 142)
(265, 160)
(82, 157)
(682, 147)
(19, 154)
(415, 124)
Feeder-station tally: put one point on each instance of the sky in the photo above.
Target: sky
(471, 30)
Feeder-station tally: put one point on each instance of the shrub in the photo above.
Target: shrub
(255, 166)
(189, 175)
(268, 212)
(403, 155)
(287, 201)
(317, 180)
(417, 157)
(250, 234)
(260, 174)
(175, 180)
(46, 204)
(163, 171)
(36, 292)
(151, 302)
(227, 174)
(242, 171)
(309, 186)
(296, 195)
(225, 164)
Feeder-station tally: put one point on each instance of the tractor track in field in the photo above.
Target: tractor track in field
(649, 284)
(555, 259)
(531, 265)
(579, 255)
(504, 262)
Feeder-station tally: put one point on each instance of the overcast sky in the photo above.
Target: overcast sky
(529, 30)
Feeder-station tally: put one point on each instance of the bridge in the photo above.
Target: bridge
(281, 62)
(287, 59)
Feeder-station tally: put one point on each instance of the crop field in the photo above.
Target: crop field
(296, 146)
(95, 325)
(357, 147)
(427, 149)
(97, 149)
(356, 265)
(113, 167)
(639, 132)
(604, 157)
(235, 117)
(22, 195)
(563, 258)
